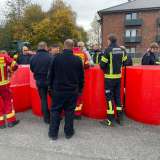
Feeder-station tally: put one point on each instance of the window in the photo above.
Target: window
(131, 16)
(131, 33)
(131, 51)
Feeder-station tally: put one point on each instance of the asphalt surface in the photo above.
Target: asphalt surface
(29, 141)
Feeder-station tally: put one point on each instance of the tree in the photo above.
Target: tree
(95, 32)
(16, 8)
(57, 26)
(26, 21)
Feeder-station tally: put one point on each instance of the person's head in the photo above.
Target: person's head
(68, 44)
(95, 47)
(112, 38)
(55, 49)
(154, 47)
(25, 50)
(42, 46)
(81, 45)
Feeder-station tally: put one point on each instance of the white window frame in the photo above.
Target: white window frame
(131, 33)
(131, 16)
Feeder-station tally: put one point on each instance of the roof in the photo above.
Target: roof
(133, 6)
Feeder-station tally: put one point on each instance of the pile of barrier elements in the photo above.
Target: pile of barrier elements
(142, 93)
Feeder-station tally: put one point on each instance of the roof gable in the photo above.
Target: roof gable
(133, 5)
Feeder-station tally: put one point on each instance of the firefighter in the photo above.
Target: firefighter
(111, 63)
(151, 57)
(39, 65)
(66, 81)
(96, 54)
(78, 51)
(7, 113)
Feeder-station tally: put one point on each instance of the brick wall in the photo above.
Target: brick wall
(114, 23)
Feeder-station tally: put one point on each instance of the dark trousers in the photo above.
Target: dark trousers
(44, 104)
(68, 103)
(112, 92)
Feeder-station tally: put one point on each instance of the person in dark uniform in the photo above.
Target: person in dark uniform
(24, 57)
(96, 55)
(54, 50)
(66, 81)
(39, 65)
(111, 63)
(151, 57)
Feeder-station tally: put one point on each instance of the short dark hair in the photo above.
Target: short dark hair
(55, 46)
(112, 37)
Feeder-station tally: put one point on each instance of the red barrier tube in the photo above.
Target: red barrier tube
(142, 94)
(20, 88)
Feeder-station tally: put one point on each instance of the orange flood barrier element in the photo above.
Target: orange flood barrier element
(143, 94)
(20, 88)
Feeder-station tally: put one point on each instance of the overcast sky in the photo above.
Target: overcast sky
(85, 9)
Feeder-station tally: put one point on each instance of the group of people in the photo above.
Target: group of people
(61, 74)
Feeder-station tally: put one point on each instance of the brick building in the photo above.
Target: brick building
(136, 24)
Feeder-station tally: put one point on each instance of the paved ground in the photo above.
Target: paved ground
(29, 141)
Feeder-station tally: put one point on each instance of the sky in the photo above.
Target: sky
(85, 9)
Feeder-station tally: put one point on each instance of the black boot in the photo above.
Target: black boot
(52, 137)
(46, 120)
(3, 126)
(69, 136)
(119, 118)
(12, 124)
(107, 122)
(77, 117)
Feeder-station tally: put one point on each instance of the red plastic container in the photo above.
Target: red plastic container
(1, 102)
(94, 94)
(142, 94)
(20, 87)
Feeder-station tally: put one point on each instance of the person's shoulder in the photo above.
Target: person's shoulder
(58, 57)
(146, 54)
(108, 50)
(77, 59)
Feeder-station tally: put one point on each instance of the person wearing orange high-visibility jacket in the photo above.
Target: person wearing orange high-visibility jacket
(80, 53)
(7, 113)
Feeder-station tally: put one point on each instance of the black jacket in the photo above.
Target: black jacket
(66, 73)
(39, 65)
(97, 56)
(112, 61)
(150, 59)
(24, 59)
